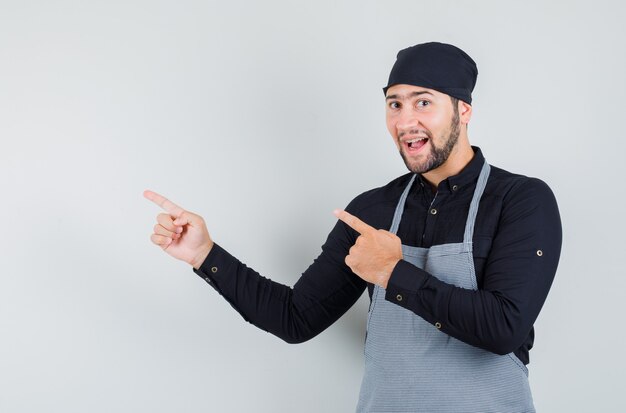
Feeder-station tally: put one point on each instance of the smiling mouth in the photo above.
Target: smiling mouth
(416, 144)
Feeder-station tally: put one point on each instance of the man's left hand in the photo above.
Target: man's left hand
(375, 252)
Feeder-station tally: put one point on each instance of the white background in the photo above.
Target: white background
(263, 117)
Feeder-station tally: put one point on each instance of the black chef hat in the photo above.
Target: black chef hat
(438, 66)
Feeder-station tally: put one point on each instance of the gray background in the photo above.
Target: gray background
(263, 117)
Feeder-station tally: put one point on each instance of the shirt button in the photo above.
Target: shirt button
(539, 253)
(399, 297)
(438, 325)
(455, 187)
(433, 211)
(213, 270)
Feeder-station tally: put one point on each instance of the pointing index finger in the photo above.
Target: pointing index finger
(353, 222)
(163, 202)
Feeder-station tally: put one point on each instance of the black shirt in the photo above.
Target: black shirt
(516, 248)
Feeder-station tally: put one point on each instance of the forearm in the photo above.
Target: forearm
(491, 320)
(295, 314)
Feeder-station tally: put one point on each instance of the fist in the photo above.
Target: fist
(375, 253)
(180, 233)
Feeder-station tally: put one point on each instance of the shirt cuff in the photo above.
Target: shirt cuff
(405, 281)
(215, 266)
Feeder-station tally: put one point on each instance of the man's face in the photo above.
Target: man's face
(425, 125)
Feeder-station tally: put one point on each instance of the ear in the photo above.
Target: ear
(465, 112)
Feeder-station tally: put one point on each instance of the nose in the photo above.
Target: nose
(407, 121)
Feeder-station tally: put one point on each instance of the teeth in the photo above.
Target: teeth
(415, 140)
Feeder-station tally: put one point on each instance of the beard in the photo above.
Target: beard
(437, 155)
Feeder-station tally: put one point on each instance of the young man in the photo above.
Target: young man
(458, 257)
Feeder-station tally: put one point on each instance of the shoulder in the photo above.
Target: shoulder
(376, 206)
(380, 195)
(511, 186)
(521, 195)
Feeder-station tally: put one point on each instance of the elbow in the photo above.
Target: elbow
(505, 333)
(294, 335)
(504, 344)
(294, 340)
(502, 348)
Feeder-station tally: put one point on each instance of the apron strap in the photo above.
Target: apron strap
(397, 216)
(473, 211)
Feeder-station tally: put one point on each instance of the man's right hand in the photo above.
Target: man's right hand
(180, 233)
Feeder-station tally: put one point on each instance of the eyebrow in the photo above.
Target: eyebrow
(411, 95)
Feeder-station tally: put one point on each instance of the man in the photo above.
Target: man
(458, 257)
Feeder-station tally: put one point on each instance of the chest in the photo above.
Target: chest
(437, 219)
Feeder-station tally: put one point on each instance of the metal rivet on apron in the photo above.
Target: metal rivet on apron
(438, 324)
(539, 252)
(399, 297)
(213, 270)
(433, 211)
(455, 187)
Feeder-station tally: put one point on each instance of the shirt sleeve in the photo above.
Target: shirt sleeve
(324, 292)
(518, 274)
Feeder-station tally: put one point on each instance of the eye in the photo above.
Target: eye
(394, 105)
(423, 103)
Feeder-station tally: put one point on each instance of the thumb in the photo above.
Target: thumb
(188, 218)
